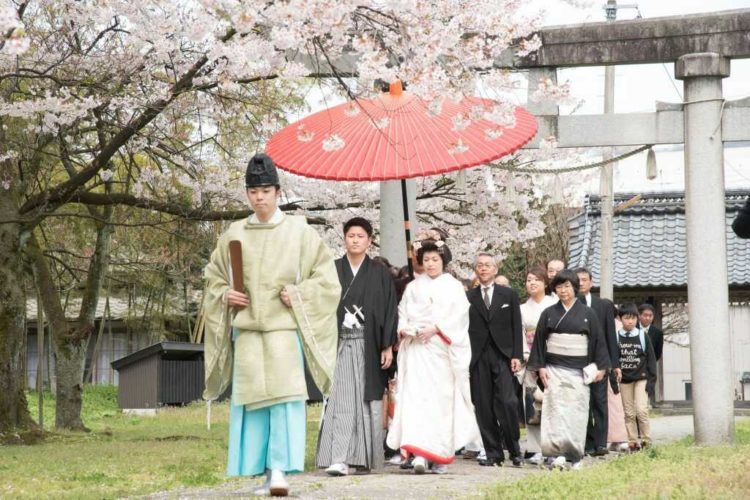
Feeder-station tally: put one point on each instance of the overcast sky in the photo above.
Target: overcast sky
(638, 87)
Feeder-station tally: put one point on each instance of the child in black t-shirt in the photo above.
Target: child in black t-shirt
(638, 365)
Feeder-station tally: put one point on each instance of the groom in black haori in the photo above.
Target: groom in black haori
(352, 431)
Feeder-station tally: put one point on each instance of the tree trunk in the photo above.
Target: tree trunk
(64, 356)
(71, 341)
(14, 411)
(70, 355)
(72, 348)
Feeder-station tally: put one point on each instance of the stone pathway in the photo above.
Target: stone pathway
(465, 478)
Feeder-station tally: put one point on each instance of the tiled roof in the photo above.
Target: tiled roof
(650, 241)
(120, 307)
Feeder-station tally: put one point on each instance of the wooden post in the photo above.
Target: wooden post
(50, 355)
(40, 357)
(108, 315)
(97, 346)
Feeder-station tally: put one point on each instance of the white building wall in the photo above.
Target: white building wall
(739, 325)
(676, 358)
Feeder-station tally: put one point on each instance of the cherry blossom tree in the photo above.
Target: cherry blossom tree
(158, 104)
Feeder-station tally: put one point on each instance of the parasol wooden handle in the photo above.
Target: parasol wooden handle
(235, 259)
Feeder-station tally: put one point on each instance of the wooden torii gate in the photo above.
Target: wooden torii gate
(701, 47)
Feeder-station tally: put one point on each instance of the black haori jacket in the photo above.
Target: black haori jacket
(372, 289)
(579, 319)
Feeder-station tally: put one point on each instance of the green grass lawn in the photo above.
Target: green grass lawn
(123, 455)
(677, 470)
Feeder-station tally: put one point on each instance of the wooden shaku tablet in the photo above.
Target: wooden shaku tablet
(235, 258)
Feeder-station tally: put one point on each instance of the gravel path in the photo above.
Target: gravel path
(465, 478)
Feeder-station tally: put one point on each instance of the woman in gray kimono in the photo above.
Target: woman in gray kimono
(569, 352)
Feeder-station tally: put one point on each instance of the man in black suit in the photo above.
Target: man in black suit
(496, 336)
(596, 433)
(646, 316)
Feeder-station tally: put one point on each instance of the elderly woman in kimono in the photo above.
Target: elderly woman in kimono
(569, 352)
(434, 414)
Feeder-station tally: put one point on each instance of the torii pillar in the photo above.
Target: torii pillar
(392, 238)
(708, 295)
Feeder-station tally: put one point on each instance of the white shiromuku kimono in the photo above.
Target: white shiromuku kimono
(434, 414)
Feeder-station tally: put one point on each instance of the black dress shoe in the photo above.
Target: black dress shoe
(600, 452)
(491, 462)
(517, 461)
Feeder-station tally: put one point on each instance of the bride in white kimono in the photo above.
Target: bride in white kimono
(434, 415)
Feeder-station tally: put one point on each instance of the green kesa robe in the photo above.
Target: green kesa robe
(283, 253)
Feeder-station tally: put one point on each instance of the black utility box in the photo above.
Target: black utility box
(167, 373)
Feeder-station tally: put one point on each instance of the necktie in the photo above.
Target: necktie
(486, 292)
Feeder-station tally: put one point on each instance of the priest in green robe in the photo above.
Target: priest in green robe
(258, 339)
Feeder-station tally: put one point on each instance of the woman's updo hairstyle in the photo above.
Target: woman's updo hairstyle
(438, 247)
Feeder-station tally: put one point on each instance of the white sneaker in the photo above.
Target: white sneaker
(395, 460)
(337, 470)
(576, 465)
(420, 465)
(278, 487)
(623, 448)
(439, 468)
(536, 459)
(558, 463)
(482, 455)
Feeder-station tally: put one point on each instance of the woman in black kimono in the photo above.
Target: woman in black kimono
(569, 352)
(352, 433)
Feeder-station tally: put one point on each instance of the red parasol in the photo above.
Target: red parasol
(398, 136)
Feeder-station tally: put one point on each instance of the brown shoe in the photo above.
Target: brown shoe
(470, 455)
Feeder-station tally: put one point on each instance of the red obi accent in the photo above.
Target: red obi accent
(444, 337)
(413, 450)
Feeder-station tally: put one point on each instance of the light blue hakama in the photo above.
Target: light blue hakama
(267, 438)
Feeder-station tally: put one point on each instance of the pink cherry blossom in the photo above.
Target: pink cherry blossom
(194, 88)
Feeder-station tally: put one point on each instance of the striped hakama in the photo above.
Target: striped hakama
(352, 429)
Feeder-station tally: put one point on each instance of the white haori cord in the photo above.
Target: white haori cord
(208, 415)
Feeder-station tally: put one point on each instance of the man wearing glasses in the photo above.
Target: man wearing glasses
(496, 336)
